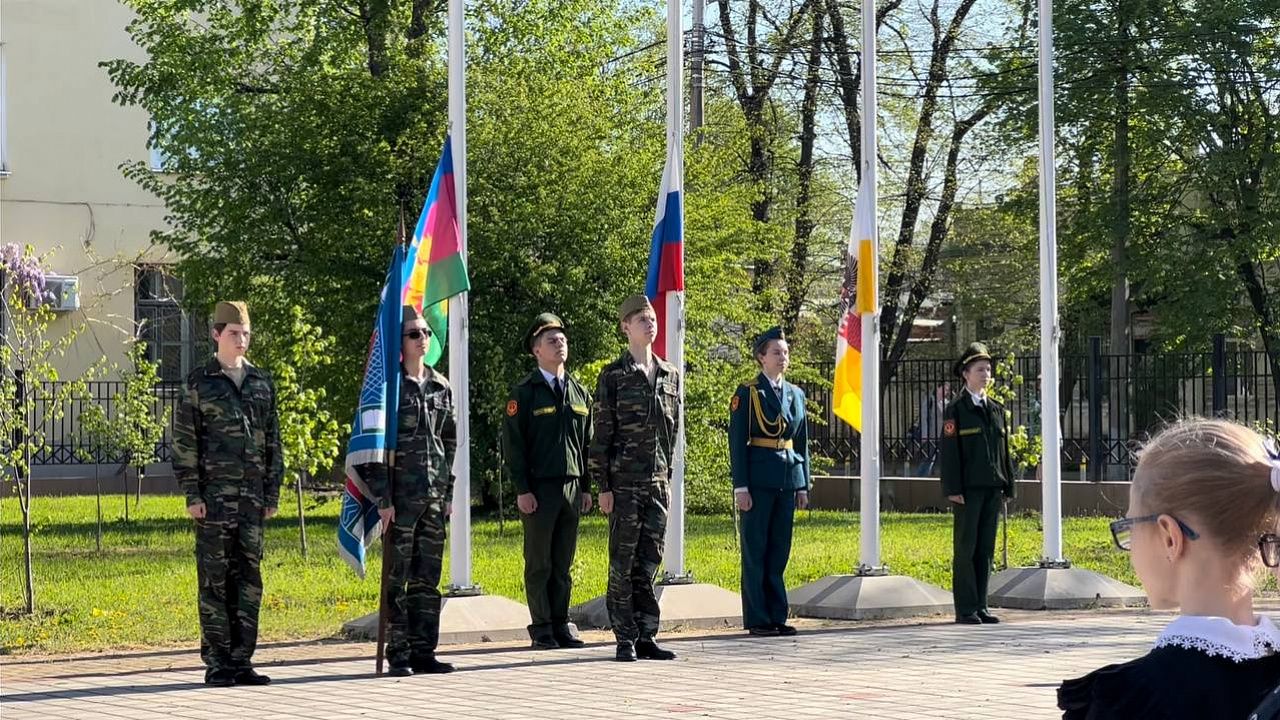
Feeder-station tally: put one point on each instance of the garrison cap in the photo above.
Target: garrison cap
(633, 305)
(231, 313)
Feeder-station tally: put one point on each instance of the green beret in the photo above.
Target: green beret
(231, 313)
(773, 333)
(409, 313)
(975, 352)
(541, 324)
(633, 305)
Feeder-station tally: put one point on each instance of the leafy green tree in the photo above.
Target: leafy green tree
(33, 397)
(132, 426)
(309, 431)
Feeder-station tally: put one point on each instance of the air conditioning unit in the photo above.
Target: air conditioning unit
(61, 293)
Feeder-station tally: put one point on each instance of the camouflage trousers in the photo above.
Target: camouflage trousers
(637, 533)
(228, 556)
(413, 584)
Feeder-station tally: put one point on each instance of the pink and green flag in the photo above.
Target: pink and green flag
(434, 270)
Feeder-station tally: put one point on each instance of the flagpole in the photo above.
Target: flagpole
(1051, 483)
(674, 556)
(869, 535)
(459, 325)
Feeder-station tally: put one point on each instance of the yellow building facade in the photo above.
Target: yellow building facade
(62, 142)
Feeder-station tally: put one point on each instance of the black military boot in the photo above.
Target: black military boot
(566, 637)
(429, 665)
(220, 678)
(647, 649)
(626, 652)
(249, 676)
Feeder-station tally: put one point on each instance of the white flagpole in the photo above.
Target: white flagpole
(1049, 331)
(459, 325)
(674, 556)
(869, 535)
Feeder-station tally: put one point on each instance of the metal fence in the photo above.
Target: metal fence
(1109, 403)
(67, 442)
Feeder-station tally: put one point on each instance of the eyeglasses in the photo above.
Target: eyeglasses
(1122, 530)
(418, 334)
(1269, 547)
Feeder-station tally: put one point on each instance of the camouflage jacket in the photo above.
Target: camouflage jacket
(635, 424)
(226, 440)
(426, 441)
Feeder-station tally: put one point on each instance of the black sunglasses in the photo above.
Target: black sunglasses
(1122, 530)
(416, 334)
(1269, 548)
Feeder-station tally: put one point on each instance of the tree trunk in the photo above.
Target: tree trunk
(27, 564)
(1121, 345)
(895, 286)
(796, 288)
(97, 491)
(752, 79)
(938, 231)
(302, 521)
(140, 472)
(123, 473)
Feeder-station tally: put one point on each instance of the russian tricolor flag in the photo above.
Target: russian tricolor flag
(665, 282)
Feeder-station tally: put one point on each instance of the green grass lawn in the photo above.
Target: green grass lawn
(141, 589)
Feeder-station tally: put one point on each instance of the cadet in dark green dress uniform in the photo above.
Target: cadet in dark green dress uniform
(769, 462)
(228, 461)
(414, 509)
(545, 440)
(637, 420)
(976, 471)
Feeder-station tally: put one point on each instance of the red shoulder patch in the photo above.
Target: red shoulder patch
(512, 407)
(733, 404)
(949, 428)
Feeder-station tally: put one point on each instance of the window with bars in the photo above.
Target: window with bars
(175, 339)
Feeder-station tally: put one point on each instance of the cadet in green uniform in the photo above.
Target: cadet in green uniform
(414, 511)
(769, 463)
(227, 459)
(545, 440)
(976, 471)
(636, 418)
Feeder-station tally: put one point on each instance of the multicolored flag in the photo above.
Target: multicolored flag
(857, 299)
(425, 274)
(435, 269)
(664, 284)
(359, 524)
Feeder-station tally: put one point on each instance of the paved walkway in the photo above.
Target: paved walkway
(844, 670)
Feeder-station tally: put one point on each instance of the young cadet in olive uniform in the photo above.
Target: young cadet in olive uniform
(636, 418)
(228, 461)
(545, 439)
(414, 511)
(769, 463)
(976, 471)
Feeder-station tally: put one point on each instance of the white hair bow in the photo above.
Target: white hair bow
(1273, 456)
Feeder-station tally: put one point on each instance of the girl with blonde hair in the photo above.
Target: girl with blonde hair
(1203, 510)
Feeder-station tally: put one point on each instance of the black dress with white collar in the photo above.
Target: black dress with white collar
(1200, 667)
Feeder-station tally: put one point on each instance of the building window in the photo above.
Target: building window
(159, 158)
(175, 339)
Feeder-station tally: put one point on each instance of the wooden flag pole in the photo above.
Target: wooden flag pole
(388, 548)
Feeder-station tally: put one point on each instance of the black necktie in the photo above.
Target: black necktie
(559, 387)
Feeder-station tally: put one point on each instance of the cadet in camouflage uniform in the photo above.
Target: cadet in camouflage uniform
(228, 461)
(636, 415)
(976, 470)
(414, 511)
(545, 439)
